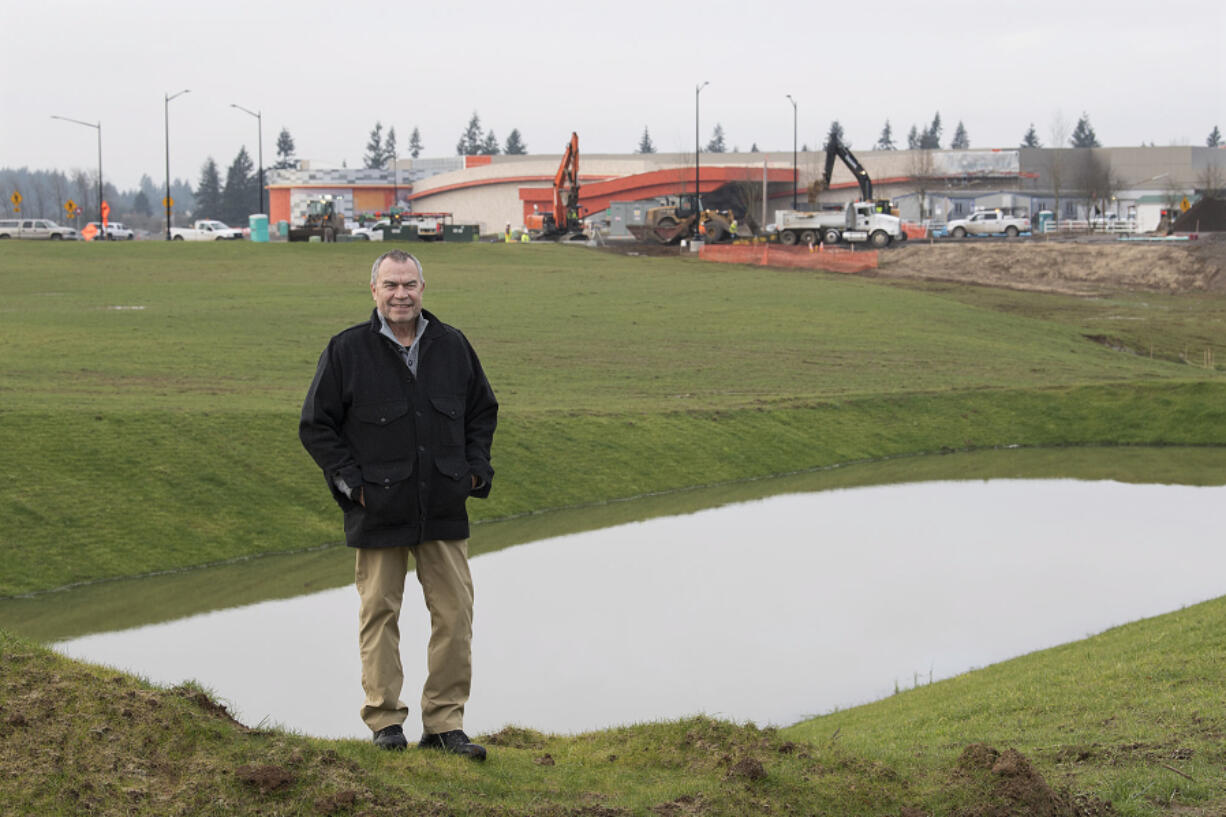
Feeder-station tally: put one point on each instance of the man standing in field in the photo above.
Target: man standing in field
(400, 418)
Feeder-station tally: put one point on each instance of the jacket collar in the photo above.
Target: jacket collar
(432, 327)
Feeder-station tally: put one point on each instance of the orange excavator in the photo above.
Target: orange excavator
(562, 223)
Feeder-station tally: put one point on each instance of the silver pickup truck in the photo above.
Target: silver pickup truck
(989, 222)
(36, 228)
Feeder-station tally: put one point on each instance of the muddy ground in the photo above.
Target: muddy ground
(1079, 266)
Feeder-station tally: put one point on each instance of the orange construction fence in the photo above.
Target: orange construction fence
(773, 255)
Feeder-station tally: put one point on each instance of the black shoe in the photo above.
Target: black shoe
(455, 742)
(391, 737)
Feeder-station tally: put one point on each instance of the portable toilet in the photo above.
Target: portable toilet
(258, 222)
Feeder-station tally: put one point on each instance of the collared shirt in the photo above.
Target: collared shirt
(410, 353)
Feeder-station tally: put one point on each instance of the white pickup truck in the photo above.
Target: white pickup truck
(206, 230)
(36, 228)
(860, 221)
(989, 222)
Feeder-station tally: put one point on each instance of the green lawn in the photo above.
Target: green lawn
(164, 436)
(149, 392)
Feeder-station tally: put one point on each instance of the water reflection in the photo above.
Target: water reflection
(767, 610)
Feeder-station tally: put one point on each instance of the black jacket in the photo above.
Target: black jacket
(410, 442)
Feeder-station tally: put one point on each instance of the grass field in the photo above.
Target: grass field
(148, 406)
(150, 391)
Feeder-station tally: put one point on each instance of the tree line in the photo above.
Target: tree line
(929, 137)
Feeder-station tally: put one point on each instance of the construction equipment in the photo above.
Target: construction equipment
(683, 218)
(323, 219)
(836, 150)
(563, 222)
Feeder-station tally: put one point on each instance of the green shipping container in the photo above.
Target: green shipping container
(460, 232)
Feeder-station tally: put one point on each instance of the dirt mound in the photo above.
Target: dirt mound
(1071, 268)
(1005, 784)
(1206, 216)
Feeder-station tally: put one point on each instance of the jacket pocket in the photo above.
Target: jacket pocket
(452, 487)
(449, 412)
(388, 492)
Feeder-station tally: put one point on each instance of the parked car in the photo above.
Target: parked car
(35, 228)
(115, 231)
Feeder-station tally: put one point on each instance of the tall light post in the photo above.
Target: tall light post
(259, 119)
(167, 120)
(795, 178)
(697, 149)
(98, 127)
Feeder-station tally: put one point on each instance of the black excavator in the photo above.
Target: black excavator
(836, 150)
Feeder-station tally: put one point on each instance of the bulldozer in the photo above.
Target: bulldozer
(323, 219)
(669, 223)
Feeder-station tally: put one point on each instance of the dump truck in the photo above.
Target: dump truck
(323, 219)
(858, 222)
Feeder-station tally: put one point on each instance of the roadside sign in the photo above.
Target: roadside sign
(167, 201)
(71, 207)
(16, 200)
(89, 232)
(1185, 205)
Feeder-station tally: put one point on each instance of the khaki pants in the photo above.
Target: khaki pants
(442, 570)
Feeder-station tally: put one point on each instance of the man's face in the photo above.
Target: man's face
(397, 291)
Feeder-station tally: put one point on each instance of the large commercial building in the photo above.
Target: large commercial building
(932, 186)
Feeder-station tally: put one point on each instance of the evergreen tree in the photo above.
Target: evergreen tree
(1031, 139)
(1215, 138)
(754, 148)
(374, 148)
(961, 141)
(913, 138)
(931, 138)
(835, 134)
(645, 144)
(389, 147)
(489, 145)
(515, 145)
(141, 206)
(804, 148)
(285, 151)
(716, 145)
(886, 140)
(208, 192)
(415, 145)
(1083, 135)
(238, 196)
(470, 140)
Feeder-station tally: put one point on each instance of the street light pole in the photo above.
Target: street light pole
(169, 97)
(795, 179)
(697, 149)
(97, 127)
(259, 119)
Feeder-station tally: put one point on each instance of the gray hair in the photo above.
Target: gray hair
(399, 257)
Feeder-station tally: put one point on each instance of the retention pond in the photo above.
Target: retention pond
(769, 601)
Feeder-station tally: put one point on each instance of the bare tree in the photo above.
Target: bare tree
(1211, 181)
(921, 170)
(1056, 173)
(1095, 180)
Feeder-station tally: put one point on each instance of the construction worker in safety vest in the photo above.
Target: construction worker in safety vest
(732, 227)
(524, 238)
(507, 235)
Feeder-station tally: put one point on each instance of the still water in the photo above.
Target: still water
(769, 610)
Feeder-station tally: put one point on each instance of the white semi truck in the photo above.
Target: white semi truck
(859, 222)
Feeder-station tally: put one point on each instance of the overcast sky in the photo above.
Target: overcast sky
(1143, 71)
